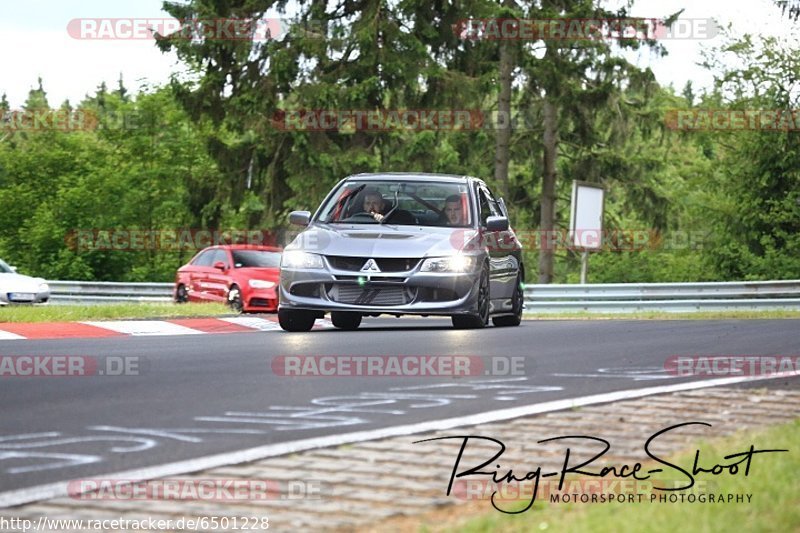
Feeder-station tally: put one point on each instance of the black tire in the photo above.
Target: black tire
(181, 296)
(517, 303)
(296, 319)
(235, 299)
(345, 320)
(480, 318)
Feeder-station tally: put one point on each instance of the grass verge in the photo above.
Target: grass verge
(72, 313)
(773, 483)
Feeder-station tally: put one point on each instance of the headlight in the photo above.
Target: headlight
(456, 263)
(298, 259)
(44, 287)
(260, 284)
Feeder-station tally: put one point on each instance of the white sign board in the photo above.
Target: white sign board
(586, 220)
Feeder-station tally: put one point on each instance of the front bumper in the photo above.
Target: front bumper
(261, 300)
(411, 292)
(15, 298)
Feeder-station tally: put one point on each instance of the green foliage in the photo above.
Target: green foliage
(137, 170)
(756, 220)
(208, 152)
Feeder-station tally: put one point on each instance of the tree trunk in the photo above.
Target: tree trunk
(548, 197)
(503, 134)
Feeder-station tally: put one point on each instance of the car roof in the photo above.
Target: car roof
(412, 176)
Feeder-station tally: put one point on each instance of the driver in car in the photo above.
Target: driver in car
(453, 211)
(374, 204)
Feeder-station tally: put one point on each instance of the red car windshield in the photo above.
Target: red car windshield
(256, 259)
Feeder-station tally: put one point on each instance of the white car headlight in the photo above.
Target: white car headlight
(298, 259)
(260, 284)
(456, 263)
(44, 287)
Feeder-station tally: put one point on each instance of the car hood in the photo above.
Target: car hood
(19, 283)
(373, 240)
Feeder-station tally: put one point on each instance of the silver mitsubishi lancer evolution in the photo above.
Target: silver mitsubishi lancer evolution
(403, 244)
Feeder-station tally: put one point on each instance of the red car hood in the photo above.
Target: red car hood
(269, 274)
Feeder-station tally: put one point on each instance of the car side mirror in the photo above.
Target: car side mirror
(497, 224)
(299, 218)
(219, 265)
(13, 269)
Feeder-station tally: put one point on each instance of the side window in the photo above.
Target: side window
(488, 206)
(204, 259)
(220, 255)
(493, 204)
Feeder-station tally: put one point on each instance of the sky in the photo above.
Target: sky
(34, 42)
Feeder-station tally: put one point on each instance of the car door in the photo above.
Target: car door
(502, 265)
(198, 277)
(217, 281)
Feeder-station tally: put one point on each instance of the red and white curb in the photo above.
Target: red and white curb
(137, 328)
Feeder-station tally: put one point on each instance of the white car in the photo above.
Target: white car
(18, 289)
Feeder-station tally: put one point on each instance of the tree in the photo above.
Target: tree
(362, 55)
(576, 79)
(37, 99)
(757, 221)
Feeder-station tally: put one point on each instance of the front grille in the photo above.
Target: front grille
(370, 295)
(262, 302)
(372, 277)
(385, 264)
(430, 294)
(307, 290)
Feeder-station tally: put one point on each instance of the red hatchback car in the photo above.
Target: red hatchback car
(243, 276)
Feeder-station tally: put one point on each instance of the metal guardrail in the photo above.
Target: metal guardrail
(663, 297)
(600, 298)
(96, 292)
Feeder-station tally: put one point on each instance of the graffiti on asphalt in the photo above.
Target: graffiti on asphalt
(34, 452)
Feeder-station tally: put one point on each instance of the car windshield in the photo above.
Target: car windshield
(399, 202)
(4, 268)
(256, 259)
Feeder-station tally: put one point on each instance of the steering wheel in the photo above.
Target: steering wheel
(362, 215)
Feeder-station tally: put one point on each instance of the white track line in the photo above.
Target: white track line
(145, 327)
(260, 324)
(59, 489)
(7, 336)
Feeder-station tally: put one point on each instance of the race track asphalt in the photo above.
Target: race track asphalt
(197, 395)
